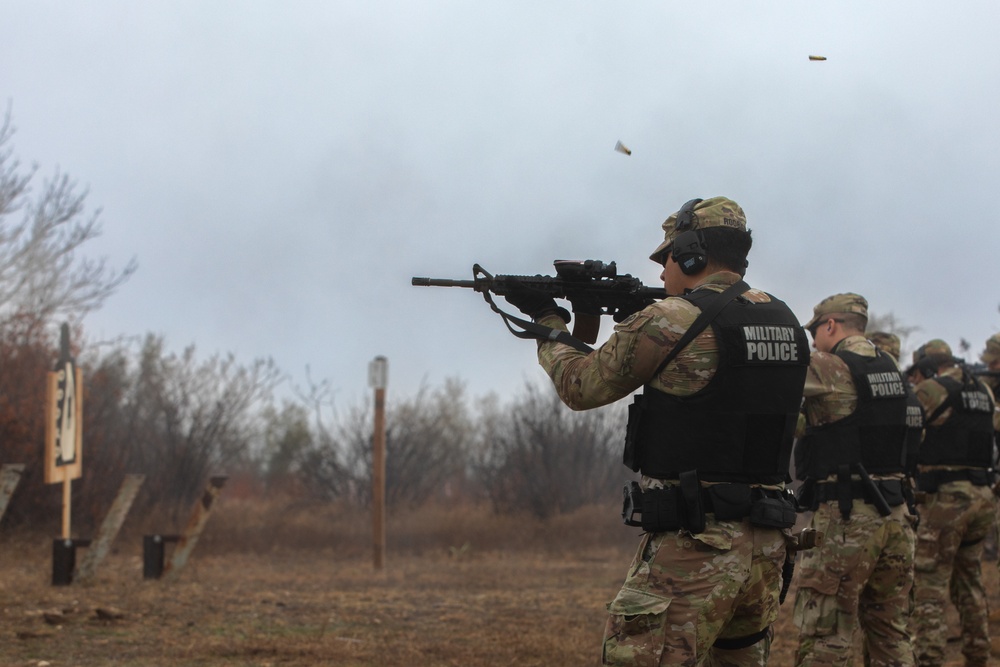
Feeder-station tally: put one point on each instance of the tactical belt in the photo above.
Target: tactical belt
(676, 507)
(891, 490)
(930, 481)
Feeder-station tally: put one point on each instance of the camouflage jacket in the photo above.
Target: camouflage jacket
(829, 393)
(630, 357)
(632, 354)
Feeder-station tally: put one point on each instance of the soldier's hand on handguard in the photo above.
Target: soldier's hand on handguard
(534, 303)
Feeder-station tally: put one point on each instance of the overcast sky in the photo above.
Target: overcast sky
(281, 170)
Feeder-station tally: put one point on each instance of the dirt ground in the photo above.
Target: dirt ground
(436, 606)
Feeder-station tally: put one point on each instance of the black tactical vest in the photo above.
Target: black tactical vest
(914, 431)
(967, 437)
(875, 434)
(739, 427)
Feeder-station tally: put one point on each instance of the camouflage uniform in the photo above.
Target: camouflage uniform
(954, 521)
(683, 592)
(863, 572)
(991, 357)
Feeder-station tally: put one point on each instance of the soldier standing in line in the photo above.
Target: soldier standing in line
(722, 367)
(851, 458)
(958, 511)
(991, 378)
(991, 357)
(887, 342)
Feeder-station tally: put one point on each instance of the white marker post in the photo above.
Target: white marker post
(378, 375)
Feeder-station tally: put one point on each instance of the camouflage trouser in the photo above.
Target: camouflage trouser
(684, 592)
(861, 575)
(953, 523)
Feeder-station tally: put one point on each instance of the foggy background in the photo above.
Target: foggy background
(281, 170)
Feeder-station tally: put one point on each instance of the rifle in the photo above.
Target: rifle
(592, 286)
(983, 372)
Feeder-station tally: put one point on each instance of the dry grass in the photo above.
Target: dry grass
(460, 587)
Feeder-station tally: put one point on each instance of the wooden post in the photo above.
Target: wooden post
(10, 475)
(378, 479)
(67, 507)
(199, 517)
(377, 378)
(109, 527)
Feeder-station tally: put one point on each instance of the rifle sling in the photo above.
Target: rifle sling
(703, 320)
(535, 330)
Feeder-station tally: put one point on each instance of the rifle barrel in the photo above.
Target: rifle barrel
(441, 282)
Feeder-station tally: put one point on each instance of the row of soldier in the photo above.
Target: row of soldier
(897, 478)
(907, 529)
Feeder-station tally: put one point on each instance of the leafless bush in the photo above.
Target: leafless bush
(539, 456)
(427, 440)
(172, 417)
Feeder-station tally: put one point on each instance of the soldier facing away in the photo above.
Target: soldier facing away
(887, 342)
(958, 511)
(851, 459)
(991, 357)
(721, 366)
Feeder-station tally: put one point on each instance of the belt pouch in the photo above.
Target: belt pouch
(660, 510)
(730, 502)
(694, 512)
(892, 491)
(773, 513)
(632, 503)
(632, 454)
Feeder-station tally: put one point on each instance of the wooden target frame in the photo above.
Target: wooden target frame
(59, 405)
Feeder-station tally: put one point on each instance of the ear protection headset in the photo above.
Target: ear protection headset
(688, 249)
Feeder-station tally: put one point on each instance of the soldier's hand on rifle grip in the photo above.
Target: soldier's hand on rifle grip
(534, 303)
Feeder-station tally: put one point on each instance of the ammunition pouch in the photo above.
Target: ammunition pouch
(632, 454)
(929, 481)
(676, 507)
(773, 512)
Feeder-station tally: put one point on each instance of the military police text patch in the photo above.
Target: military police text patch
(770, 344)
(886, 385)
(977, 401)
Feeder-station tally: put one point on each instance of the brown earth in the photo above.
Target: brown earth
(491, 591)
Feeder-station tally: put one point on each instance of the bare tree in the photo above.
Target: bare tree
(175, 418)
(537, 455)
(41, 270)
(427, 440)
